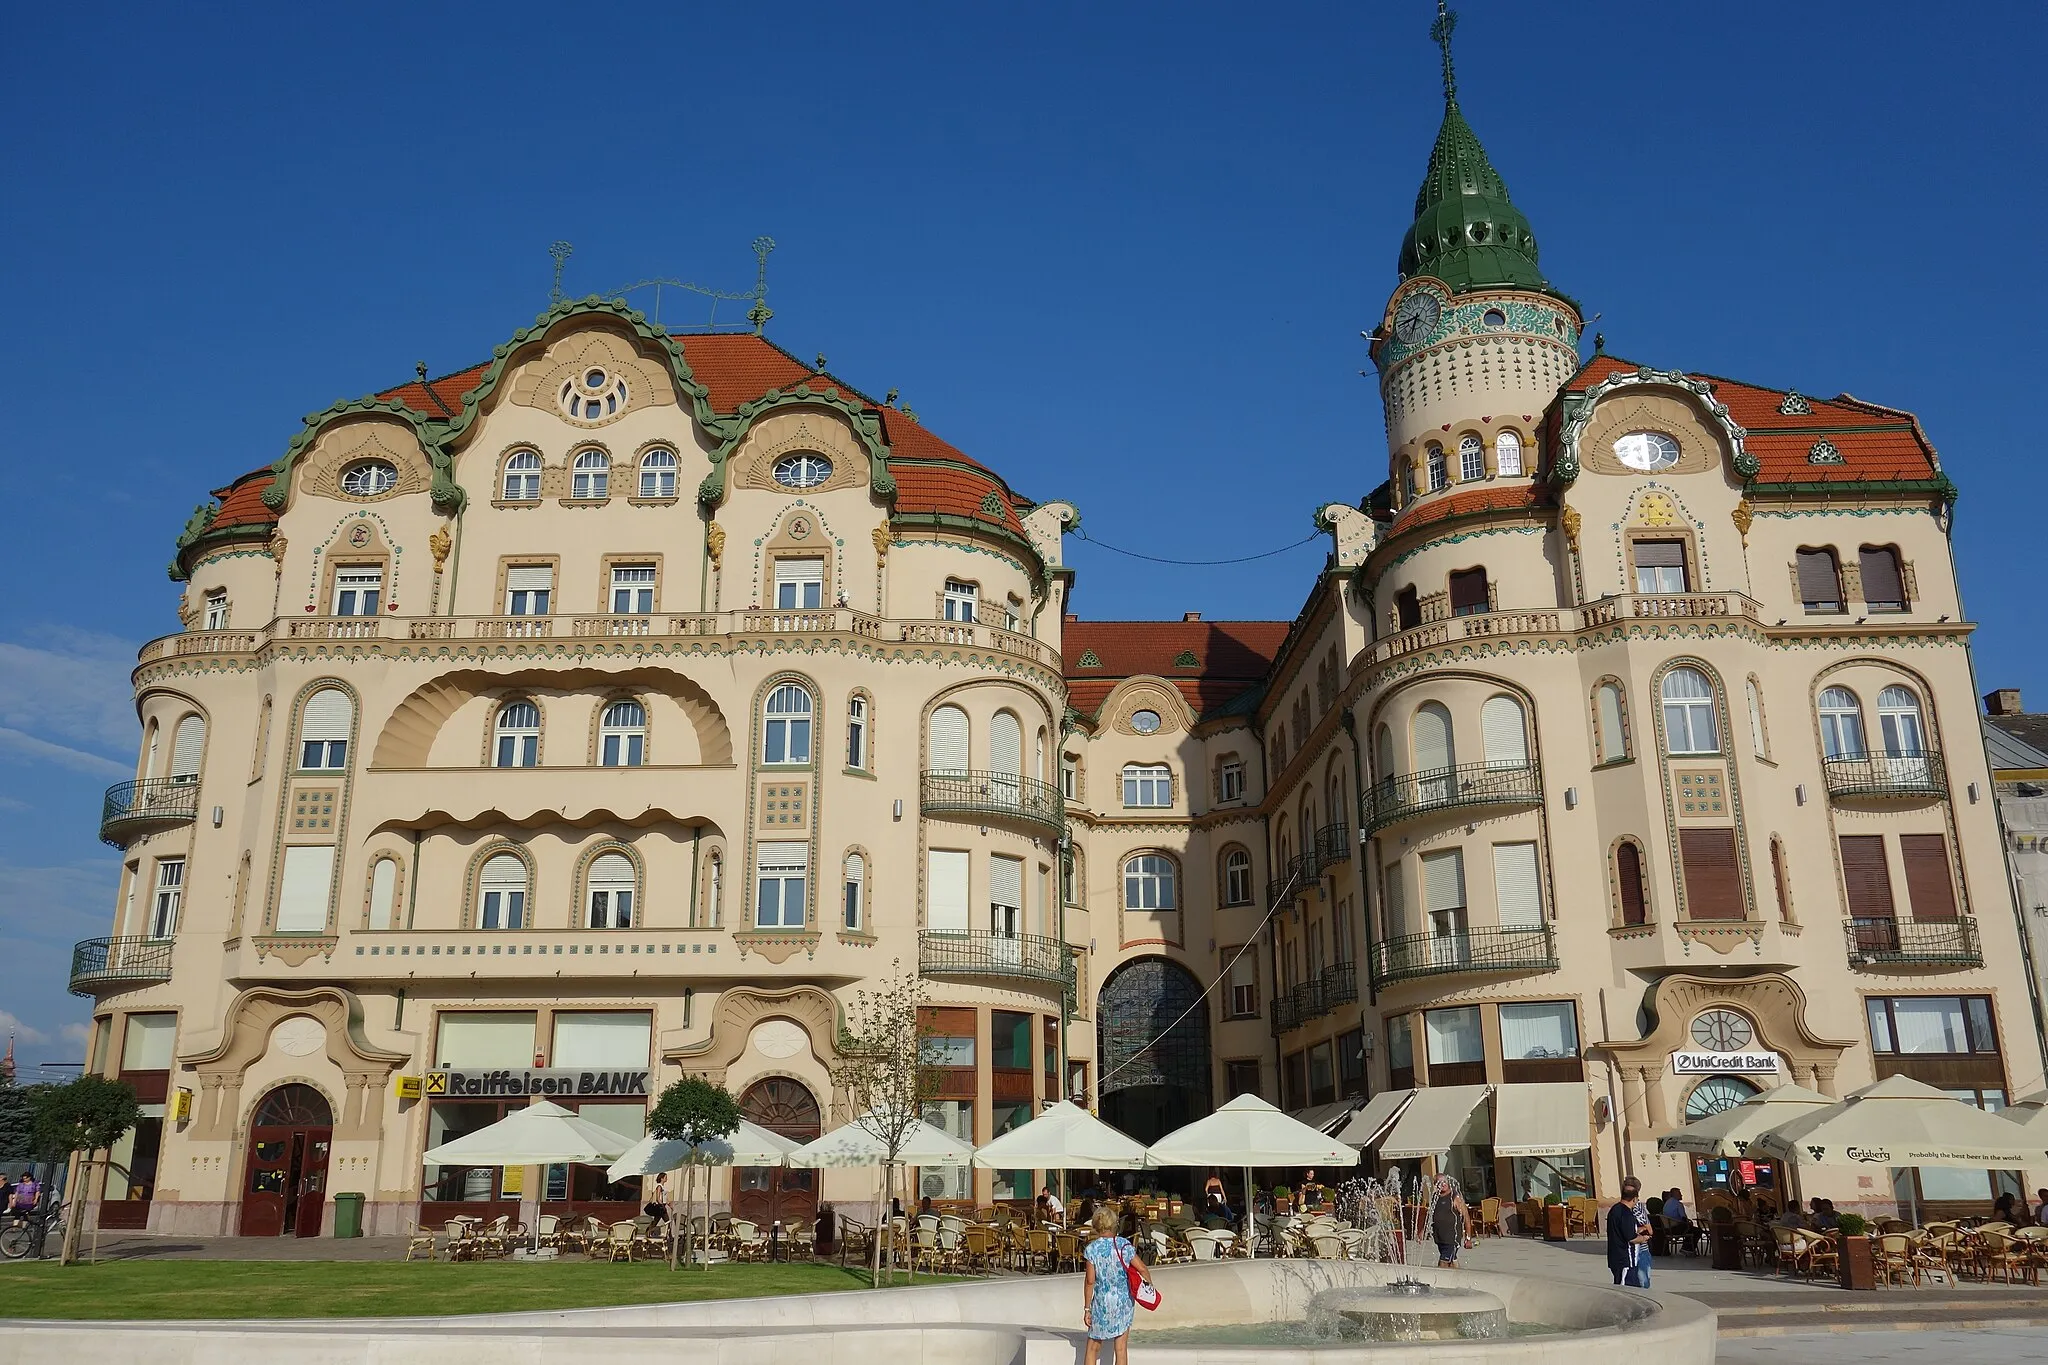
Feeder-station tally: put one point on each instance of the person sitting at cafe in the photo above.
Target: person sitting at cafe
(1050, 1209)
(1792, 1217)
(1825, 1219)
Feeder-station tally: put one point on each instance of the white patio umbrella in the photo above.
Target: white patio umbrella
(2030, 1113)
(747, 1145)
(1065, 1137)
(541, 1134)
(1249, 1132)
(855, 1144)
(1731, 1131)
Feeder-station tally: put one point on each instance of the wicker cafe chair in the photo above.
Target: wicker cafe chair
(1067, 1249)
(619, 1244)
(1489, 1217)
(747, 1242)
(1817, 1253)
(1787, 1251)
(1893, 1255)
(1582, 1216)
(2009, 1258)
(421, 1243)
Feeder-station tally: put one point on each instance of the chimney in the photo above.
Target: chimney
(1070, 616)
(1191, 616)
(2004, 702)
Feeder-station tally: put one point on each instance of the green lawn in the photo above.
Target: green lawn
(349, 1289)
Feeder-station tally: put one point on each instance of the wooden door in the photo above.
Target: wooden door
(311, 1183)
(763, 1194)
(284, 1179)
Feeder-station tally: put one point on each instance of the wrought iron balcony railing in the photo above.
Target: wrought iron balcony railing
(1340, 984)
(1487, 949)
(1471, 784)
(102, 964)
(1333, 844)
(1027, 957)
(1908, 775)
(1002, 796)
(1907, 943)
(129, 808)
(1286, 1013)
(1332, 986)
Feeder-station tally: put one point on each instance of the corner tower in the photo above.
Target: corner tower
(1475, 341)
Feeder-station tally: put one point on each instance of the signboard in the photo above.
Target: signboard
(1724, 1063)
(513, 1181)
(180, 1107)
(537, 1080)
(406, 1087)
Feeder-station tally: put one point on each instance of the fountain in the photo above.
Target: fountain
(1406, 1309)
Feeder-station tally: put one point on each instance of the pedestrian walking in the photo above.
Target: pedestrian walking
(1106, 1306)
(1628, 1237)
(1450, 1223)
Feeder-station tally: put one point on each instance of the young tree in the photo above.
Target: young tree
(83, 1117)
(885, 1069)
(692, 1110)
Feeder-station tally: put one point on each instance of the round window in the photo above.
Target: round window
(1646, 450)
(593, 395)
(805, 470)
(1494, 317)
(368, 479)
(1714, 1094)
(1145, 722)
(1722, 1031)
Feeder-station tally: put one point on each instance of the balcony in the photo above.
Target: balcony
(1862, 776)
(1444, 789)
(1312, 999)
(1482, 950)
(1001, 796)
(1333, 844)
(130, 809)
(1015, 957)
(1914, 943)
(100, 965)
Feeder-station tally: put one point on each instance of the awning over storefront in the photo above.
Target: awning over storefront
(1370, 1124)
(1323, 1117)
(1541, 1120)
(1432, 1123)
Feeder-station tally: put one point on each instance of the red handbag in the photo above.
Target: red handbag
(1143, 1292)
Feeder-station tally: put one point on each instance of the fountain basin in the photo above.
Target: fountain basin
(1407, 1310)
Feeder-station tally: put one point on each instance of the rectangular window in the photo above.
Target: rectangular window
(1009, 1041)
(1454, 1036)
(945, 891)
(1443, 891)
(1294, 1081)
(1660, 566)
(960, 599)
(356, 591)
(1613, 735)
(1407, 609)
(1351, 1064)
(1230, 781)
(611, 907)
(170, 890)
(854, 891)
(1400, 1045)
(481, 1040)
(1470, 593)
(632, 589)
(1242, 999)
(528, 588)
(782, 871)
(1070, 777)
(1471, 463)
(857, 734)
(1237, 879)
(1937, 1025)
(1005, 895)
(146, 1042)
(1930, 890)
(1865, 877)
(302, 889)
(1713, 878)
(799, 584)
(1533, 1032)
(216, 611)
(1394, 904)
(1148, 787)
(1241, 1078)
(1884, 586)
(1322, 1075)
(1517, 886)
(1820, 581)
(609, 1038)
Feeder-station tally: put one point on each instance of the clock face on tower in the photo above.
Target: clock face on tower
(1416, 317)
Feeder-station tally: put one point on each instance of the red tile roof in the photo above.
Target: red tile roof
(1231, 656)
(1514, 498)
(241, 502)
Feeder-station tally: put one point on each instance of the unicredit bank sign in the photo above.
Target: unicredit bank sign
(1724, 1063)
(535, 1080)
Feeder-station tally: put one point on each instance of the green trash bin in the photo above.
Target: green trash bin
(348, 1214)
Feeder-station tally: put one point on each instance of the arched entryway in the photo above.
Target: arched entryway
(284, 1181)
(1155, 1071)
(765, 1193)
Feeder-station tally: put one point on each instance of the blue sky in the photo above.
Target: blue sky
(1120, 252)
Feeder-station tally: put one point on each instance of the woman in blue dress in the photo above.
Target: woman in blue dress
(1106, 1306)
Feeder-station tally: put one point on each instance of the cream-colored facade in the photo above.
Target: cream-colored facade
(616, 710)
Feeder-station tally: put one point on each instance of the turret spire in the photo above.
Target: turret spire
(1440, 31)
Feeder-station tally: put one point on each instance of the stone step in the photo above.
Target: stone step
(1982, 1305)
(1965, 1318)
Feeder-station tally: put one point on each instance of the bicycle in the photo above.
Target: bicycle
(27, 1236)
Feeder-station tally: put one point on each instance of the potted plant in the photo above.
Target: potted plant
(1283, 1199)
(1856, 1267)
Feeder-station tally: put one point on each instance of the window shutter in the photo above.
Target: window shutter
(796, 856)
(1517, 892)
(479, 1039)
(1713, 878)
(185, 751)
(328, 714)
(1006, 748)
(1628, 871)
(1660, 554)
(1507, 742)
(504, 873)
(1468, 591)
(1866, 878)
(302, 890)
(1883, 585)
(602, 1038)
(949, 740)
(1394, 912)
(1819, 582)
(1929, 888)
(1432, 738)
(945, 891)
(529, 578)
(1006, 882)
(799, 571)
(1443, 880)
(610, 871)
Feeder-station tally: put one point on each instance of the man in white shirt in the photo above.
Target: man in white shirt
(1055, 1211)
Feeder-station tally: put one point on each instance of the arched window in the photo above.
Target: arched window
(1629, 887)
(384, 894)
(1507, 453)
(1610, 722)
(1439, 468)
(1006, 755)
(1689, 726)
(1506, 738)
(1780, 880)
(1759, 742)
(1471, 459)
(1148, 785)
(1149, 883)
(1471, 594)
(658, 474)
(518, 734)
(857, 733)
(609, 903)
(522, 476)
(622, 735)
(854, 902)
(323, 730)
(948, 741)
(592, 476)
(1820, 580)
(1435, 751)
(501, 888)
(1898, 720)
(1237, 877)
(1841, 724)
(1407, 482)
(1714, 1094)
(714, 890)
(1383, 753)
(187, 748)
(786, 728)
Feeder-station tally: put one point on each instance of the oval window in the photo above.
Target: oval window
(805, 470)
(1145, 722)
(368, 479)
(1646, 450)
(1494, 317)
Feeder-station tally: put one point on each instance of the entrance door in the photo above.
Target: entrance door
(284, 1183)
(762, 1194)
